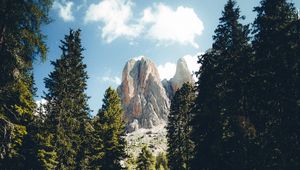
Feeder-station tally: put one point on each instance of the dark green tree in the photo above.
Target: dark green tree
(180, 145)
(110, 132)
(222, 131)
(145, 160)
(21, 41)
(161, 162)
(67, 110)
(275, 91)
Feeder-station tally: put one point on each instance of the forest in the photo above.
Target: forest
(243, 113)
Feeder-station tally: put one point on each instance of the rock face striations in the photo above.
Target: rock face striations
(145, 99)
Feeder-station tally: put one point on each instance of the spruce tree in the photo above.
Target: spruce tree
(275, 85)
(180, 145)
(21, 41)
(110, 132)
(222, 130)
(161, 162)
(67, 109)
(145, 160)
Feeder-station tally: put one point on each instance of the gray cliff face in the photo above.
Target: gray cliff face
(142, 94)
(145, 98)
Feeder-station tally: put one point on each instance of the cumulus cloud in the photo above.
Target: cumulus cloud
(115, 16)
(166, 71)
(167, 25)
(159, 22)
(64, 10)
(115, 80)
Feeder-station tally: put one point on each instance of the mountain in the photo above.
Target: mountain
(181, 76)
(143, 96)
(146, 102)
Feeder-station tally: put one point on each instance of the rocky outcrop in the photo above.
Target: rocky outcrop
(145, 98)
(182, 75)
(142, 94)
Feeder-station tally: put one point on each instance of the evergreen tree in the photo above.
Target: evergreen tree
(161, 162)
(110, 132)
(222, 131)
(130, 162)
(145, 160)
(67, 109)
(275, 85)
(38, 148)
(21, 41)
(180, 145)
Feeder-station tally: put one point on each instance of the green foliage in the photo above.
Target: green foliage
(20, 42)
(180, 145)
(145, 160)
(221, 128)
(161, 162)
(46, 154)
(110, 132)
(67, 110)
(275, 81)
(130, 162)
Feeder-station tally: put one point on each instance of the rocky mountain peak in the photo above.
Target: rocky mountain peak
(143, 97)
(182, 75)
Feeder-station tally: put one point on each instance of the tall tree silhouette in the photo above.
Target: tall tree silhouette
(180, 145)
(221, 126)
(67, 109)
(275, 95)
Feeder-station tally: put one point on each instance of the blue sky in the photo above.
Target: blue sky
(114, 31)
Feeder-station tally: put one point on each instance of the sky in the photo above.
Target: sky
(115, 31)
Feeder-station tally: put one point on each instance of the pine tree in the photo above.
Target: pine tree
(180, 145)
(222, 130)
(38, 148)
(110, 132)
(275, 91)
(145, 160)
(161, 162)
(67, 109)
(21, 41)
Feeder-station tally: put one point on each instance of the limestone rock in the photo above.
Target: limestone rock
(142, 94)
(182, 75)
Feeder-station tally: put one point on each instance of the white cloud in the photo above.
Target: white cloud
(166, 71)
(40, 106)
(160, 22)
(64, 9)
(115, 16)
(168, 26)
(40, 102)
(115, 80)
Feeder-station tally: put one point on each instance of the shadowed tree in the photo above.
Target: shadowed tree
(222, 131)
(275, 91)
(21, 41)
(180, 146)
(145, 160)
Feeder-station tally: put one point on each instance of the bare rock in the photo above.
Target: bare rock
(142, 94)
